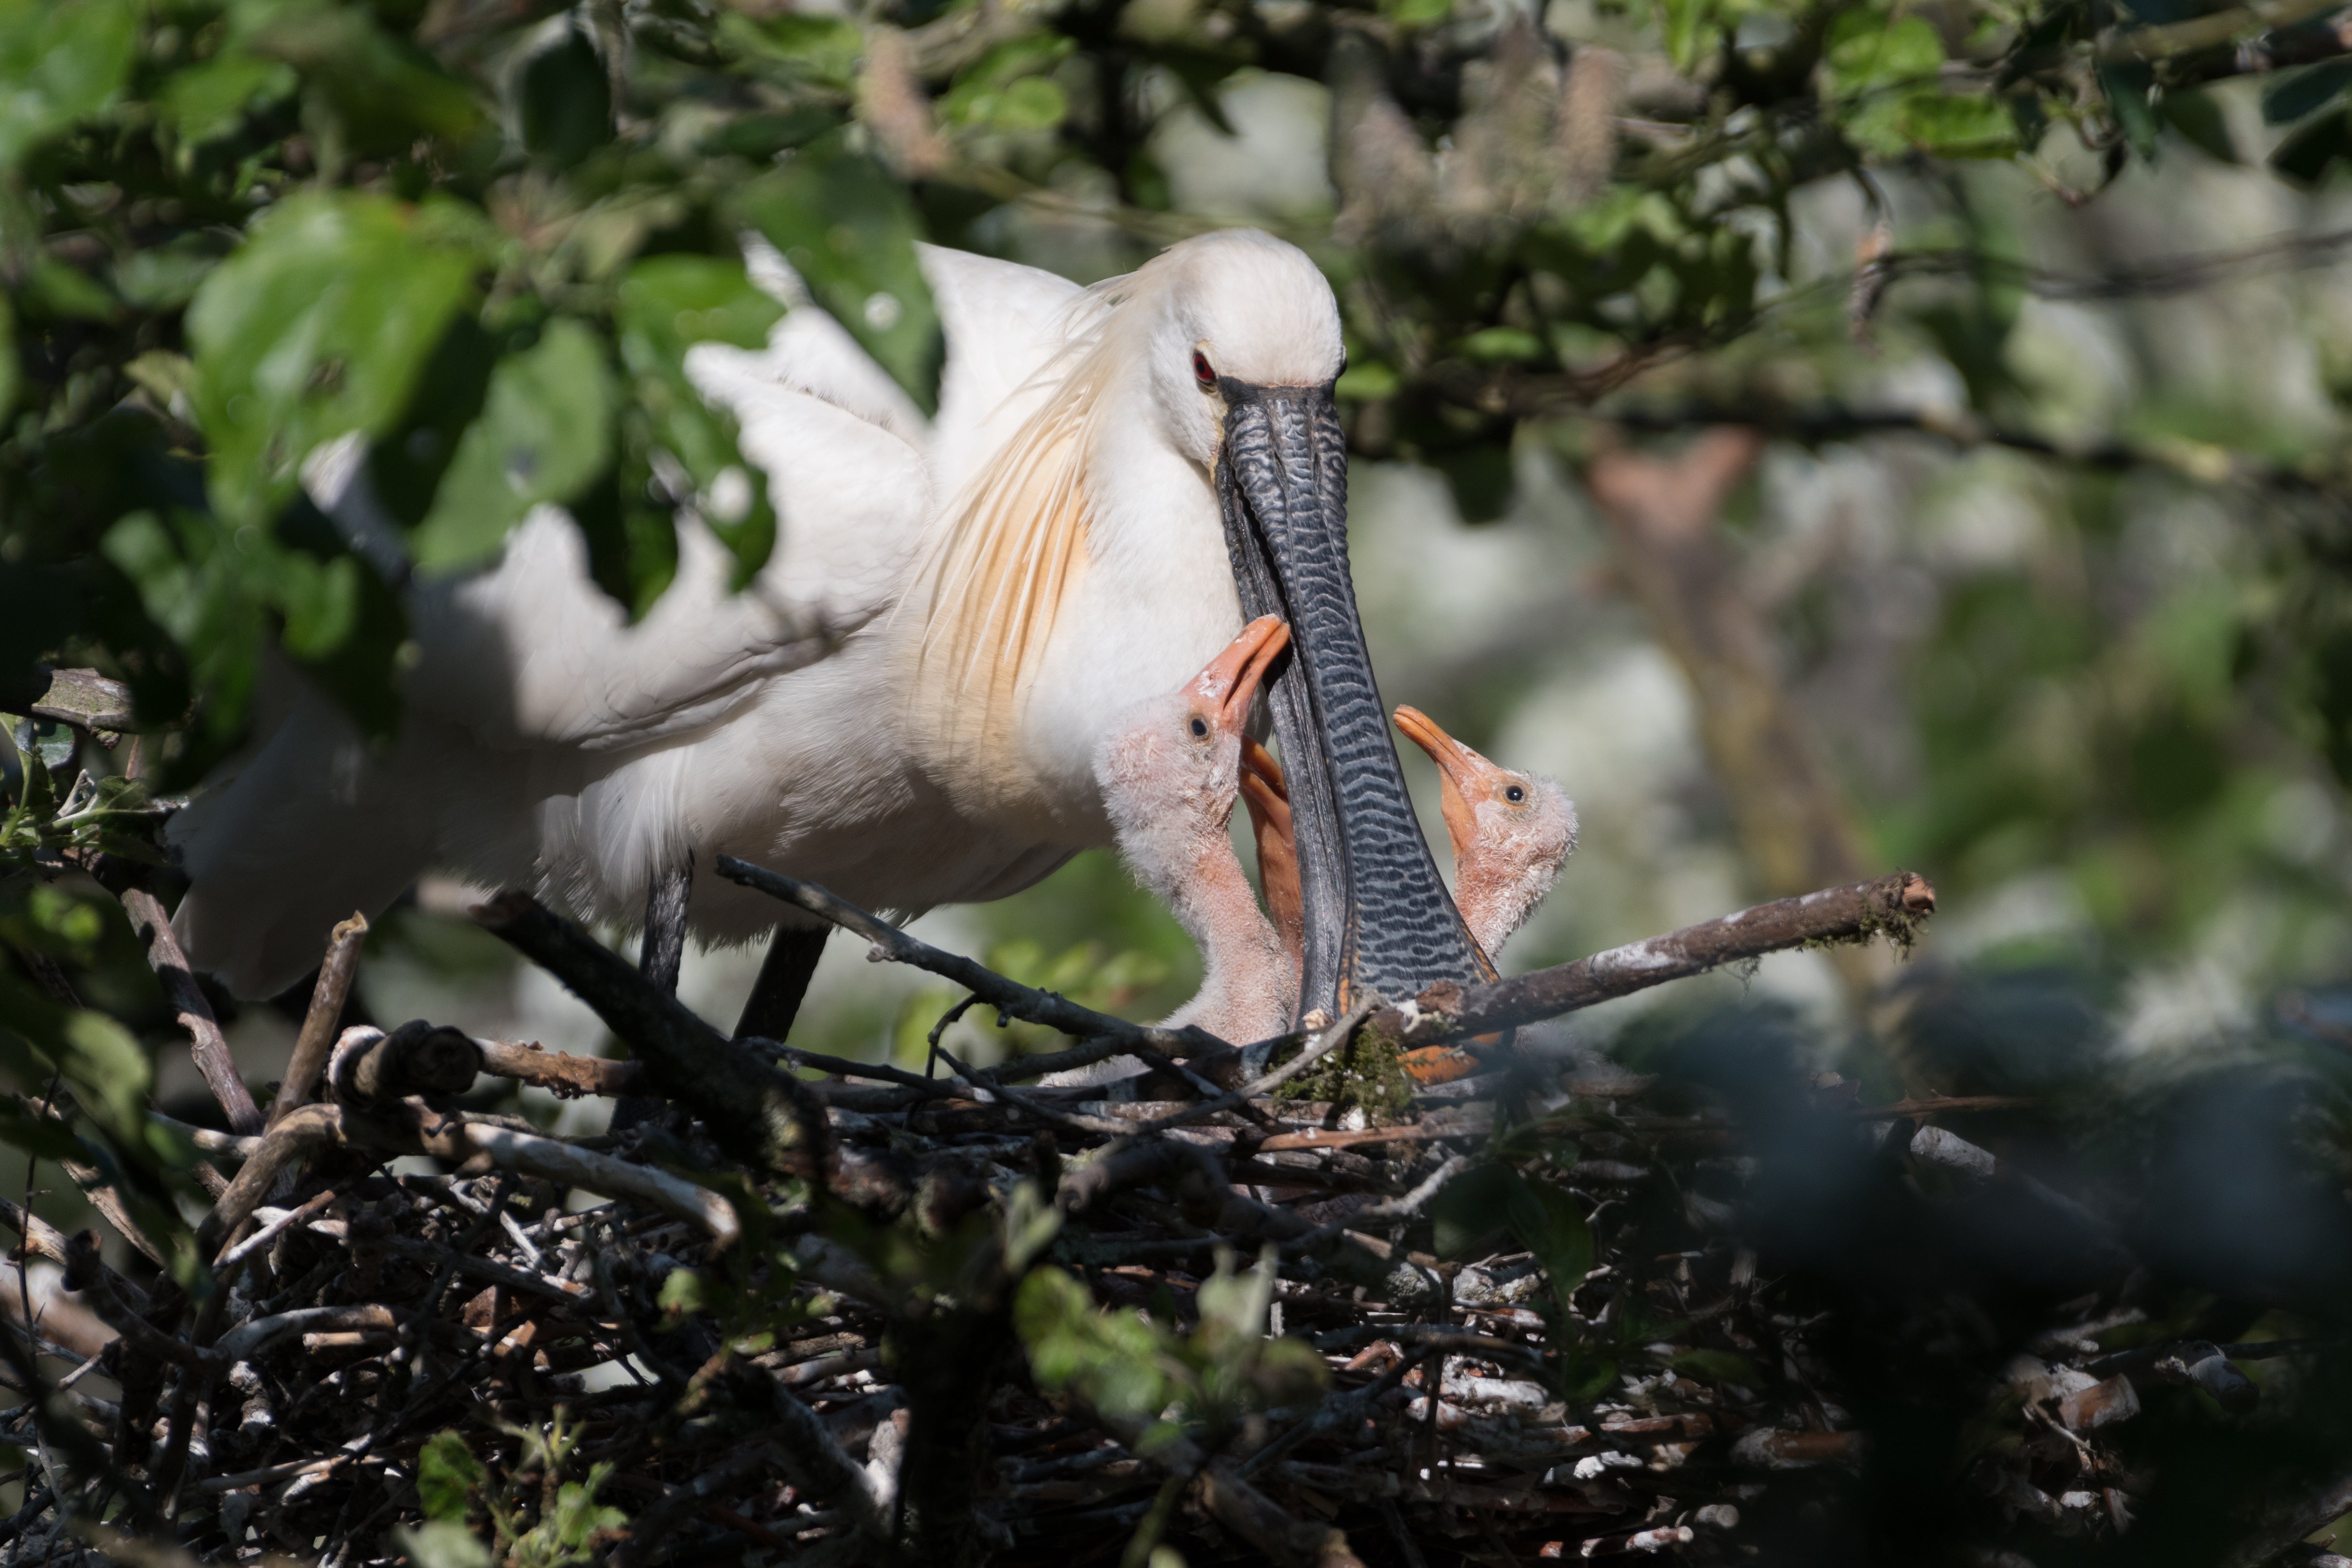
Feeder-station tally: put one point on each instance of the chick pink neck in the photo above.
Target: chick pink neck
(1246, 986)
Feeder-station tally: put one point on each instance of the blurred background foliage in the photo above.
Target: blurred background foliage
(2034, 579)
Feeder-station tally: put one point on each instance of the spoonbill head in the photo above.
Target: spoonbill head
(1187, 404)
(1510, 831)
(1376, 919)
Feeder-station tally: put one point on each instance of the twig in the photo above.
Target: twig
(1893, 906)
(271, 1230)
(1022, 1002)
(321, 1024)
(1330, 1041)
(2330, 1501)
(2207, 32)
(87, 699)
(747, 1104)
(567, 1077)
(560, 1161)
(1075, 1122)
(206, 1045)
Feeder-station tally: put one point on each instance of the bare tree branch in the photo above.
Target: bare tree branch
(1891, 905)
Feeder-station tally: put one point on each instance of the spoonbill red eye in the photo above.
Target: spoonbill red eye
(1201, 371)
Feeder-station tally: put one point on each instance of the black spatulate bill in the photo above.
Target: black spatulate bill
(1379, 920)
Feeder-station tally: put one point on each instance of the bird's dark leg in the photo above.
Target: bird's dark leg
(664, 948)
(659, 957)
(775, 999)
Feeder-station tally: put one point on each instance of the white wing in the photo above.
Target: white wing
(1004, 321)
(532, 652)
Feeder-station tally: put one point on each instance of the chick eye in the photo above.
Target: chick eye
(1199, 728)
(1514, 794)
(1201, 373)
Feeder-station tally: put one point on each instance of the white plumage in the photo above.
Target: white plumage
(907, 703)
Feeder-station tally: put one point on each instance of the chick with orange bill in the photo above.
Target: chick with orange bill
(1170, 772)
(1510, 830)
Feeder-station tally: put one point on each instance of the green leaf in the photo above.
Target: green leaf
(681, 1292)
(211, 587)
(2129, 86)
(2315, 147)
(60, 62)
(197, 596)
(66, 293)
(1238, 1302)
(109, 1073)
(442, 1544)
(1115, 1359)
(1867, 51)
(39, 1136)
(1416, 13)
(166, 277)
(212, 99)
(1550, 1224)
(1958, 125)
(668, 304)
(320, 325)
(564, 99)
(1002, 92)
(1496, 345)
(2198, 118)
(1367, 381)
(378, 93)
(1689, 29)
(447, 1477)
(824, 50)
(2290, 95)
(1031, 1222)
(850, 230)
(573, 1525)
(545, 432)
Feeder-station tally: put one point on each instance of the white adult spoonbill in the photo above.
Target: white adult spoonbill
(907, 703)
(1171, 771)
(1510, 830)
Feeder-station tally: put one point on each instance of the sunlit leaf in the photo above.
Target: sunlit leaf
(108, 1069)
(60, 62)
(544, 433)
(317, 326)
(850, 231)
(212, 98)
(669, 303)
(447, 1477)
(1954, 125)
(442, 1544)
(1866, 50)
